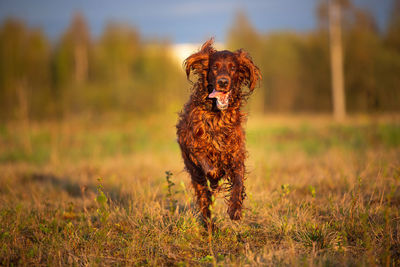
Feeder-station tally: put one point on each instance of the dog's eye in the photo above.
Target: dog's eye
(233, 68)
(214, 67)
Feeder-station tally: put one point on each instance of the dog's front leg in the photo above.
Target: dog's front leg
(237, 193)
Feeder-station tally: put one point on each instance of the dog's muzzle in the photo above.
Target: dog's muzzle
(222, 99)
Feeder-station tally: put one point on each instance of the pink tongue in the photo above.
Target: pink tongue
(221, 96)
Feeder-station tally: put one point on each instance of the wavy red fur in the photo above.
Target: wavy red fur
(211, 137)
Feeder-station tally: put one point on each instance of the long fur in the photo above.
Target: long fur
(213, 141)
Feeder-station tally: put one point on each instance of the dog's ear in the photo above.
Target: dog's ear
(198, 62)
(249, 73)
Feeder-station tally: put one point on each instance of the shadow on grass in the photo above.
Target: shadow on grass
(76, 189)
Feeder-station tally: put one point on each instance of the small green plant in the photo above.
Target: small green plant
(101, 199)
(312, 191)
(211, 208)
(206, 259)
(210, 227)
(285, 190)
(170, 194)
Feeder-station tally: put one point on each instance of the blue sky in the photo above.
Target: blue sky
(178, 20)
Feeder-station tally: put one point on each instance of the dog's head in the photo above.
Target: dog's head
(225, 74)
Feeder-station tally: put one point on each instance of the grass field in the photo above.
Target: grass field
(91, 191)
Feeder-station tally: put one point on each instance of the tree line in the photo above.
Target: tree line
(296, 66)
(121, 72)
(117, 72)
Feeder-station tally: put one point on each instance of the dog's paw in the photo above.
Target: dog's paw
(235, 212)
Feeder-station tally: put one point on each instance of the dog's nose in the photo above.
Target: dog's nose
(223, 82)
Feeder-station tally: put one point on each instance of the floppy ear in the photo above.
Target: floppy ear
(198, 62)
(249, 73)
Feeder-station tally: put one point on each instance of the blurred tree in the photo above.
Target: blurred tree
(24, 71)
(242, 34)
(362, 48)
(71, 64)
(281, 69)
(138, 75)
(336, 52)
(389, 62)
(116, 53)
(71, 59)
(114, 58)
(12, 40)
(134, 75)
(155, 76)
(393, 30)
(159, 81)
(370, 68)
(315, 89)
(79, 38)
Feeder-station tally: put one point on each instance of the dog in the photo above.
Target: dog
(210, 132)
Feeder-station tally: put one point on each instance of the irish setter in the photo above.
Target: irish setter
(210, 132)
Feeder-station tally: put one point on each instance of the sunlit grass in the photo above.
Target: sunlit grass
(97, 192)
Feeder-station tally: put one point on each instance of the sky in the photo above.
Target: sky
(180, 21)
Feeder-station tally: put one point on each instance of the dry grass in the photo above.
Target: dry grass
(89, 193)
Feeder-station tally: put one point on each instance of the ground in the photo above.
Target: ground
(112, 191)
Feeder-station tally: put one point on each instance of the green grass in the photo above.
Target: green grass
(96, 192)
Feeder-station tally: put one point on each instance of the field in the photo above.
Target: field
(112, 191)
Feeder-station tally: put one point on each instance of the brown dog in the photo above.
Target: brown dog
(210, 131)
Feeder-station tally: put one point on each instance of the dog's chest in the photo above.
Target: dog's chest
(217, 132)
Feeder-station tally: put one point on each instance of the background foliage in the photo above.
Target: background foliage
(121, 72)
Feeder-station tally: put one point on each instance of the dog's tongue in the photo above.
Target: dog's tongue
(222, 98)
